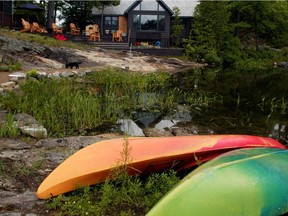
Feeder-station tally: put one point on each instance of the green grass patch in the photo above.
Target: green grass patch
(42, 39)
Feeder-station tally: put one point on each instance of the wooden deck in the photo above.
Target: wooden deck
(107, 43)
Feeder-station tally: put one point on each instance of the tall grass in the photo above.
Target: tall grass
(123, 196)
(67, 107)
(8, 128)
(57, 104)
(273, 106)
(202, 98)
(120, 194)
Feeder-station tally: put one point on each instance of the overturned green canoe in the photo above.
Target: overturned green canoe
(241, 182)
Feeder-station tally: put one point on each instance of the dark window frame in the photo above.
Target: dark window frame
(110, 26)
(144, 6)
(110, 22)
(160, 25)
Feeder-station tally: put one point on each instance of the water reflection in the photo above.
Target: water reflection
(221, 102)
(279, 131)
(146, 119)
(134, 127)
(129, 127)
(166, 123)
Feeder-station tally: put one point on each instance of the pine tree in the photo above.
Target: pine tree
(210, 31)
(177, 27)
(101, 5)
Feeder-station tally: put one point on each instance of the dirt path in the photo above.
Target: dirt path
(4, 77)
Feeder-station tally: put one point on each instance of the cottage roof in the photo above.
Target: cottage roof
(186, 7)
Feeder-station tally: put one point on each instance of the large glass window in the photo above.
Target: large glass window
(111, 21)
(161, 23)
(137, 8)
(149, 22)
(149, 6)
(136, 22)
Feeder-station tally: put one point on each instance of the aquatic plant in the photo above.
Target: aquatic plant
(202, 98)
(283, 105)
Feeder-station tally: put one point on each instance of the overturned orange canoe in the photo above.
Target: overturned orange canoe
(94, 163)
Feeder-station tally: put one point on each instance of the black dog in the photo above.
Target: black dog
(72, 64)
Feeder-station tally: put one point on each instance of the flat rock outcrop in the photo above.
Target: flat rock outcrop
(25, 164)
(49, 59)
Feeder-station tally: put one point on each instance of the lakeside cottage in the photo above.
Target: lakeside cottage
(146, 21)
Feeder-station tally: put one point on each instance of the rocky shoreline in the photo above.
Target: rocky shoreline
(24, 165)
(25, 162)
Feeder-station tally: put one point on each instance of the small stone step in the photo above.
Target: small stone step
(8, 84)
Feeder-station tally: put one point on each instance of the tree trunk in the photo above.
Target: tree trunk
(50, 14)
(55, 11)
(102, 19)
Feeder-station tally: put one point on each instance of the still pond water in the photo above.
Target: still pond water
(251, 102)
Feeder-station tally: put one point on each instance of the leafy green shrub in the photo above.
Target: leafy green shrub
(212, 58)
(32, 73)
(190, 51)
(261, 59)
